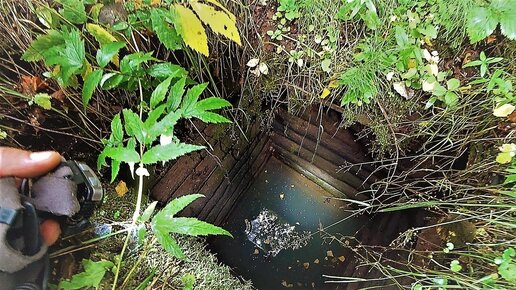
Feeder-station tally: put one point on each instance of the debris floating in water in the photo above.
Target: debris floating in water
(329, 253)
(273, 236)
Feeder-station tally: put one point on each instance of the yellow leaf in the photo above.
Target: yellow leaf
(190, 28)
(121, 189)
(325, 93)
(333, 84)
(100, 33)
(155, 3)
(504, 157)
(219, 21)
(87, 70)
(214, 2)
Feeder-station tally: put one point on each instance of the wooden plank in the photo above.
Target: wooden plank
(227, 196)
(258, 161)
(317, 160)
(227, 181)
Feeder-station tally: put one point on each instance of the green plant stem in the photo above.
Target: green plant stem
(138, 203)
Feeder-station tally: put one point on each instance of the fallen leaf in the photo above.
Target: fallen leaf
(256, 252)
(253, 62)
(491, 38)
(262, 67)
(333, 84)
(342, 258)
(30, 85)
(285, 284)
(58, 95)
(282, 196)
(326, 92)
(512, 117)
(329, 253)
(121, 188)
(400, 88)
(316, 261)
(504, 110)
(306, 265)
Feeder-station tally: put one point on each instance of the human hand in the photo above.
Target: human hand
(25, 164)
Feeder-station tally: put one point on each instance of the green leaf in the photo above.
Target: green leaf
(43, 100)
(165, 126)
(117, 131)
(508, 271)
(176, 94)
(133, 124)
(472, 63)
(508, 19)
(122, 154)
(167, 69)
(147, 213)
(212, 103)
(178, 204)
(158, 95)
(402, 38)
(111, 80)
(481, 23)
(168, 243)
(153, 117)
(483, 69)
(439, 90)
(107, 52)
(115, 168)
(455, 266)
(91, 277)
(165, 32)
(71, 58)
(40, 46)
(132, 62)
(188, 226)
(191, 97)
(453, 84)
(451, 99)
(371, 19)
(188, 281)
(90, 83)
(168, 152)
(73, 11)
(210, 117)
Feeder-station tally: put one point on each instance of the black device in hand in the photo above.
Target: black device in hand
(68, 194)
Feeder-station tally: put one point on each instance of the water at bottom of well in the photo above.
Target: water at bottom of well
(275, 226)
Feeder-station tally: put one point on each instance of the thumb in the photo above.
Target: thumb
(21, 163)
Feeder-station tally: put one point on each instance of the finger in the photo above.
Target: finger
(21, 163)
(50, 231)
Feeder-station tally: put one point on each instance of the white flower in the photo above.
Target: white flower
(434, 69)
(393, 18)
(504, 110)
(300, 62)
(142, 171)
(165, 139)
(390, 75)
(253, 62)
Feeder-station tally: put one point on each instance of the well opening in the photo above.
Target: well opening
(287, 195)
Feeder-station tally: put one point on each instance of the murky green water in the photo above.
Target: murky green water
(297, 201)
